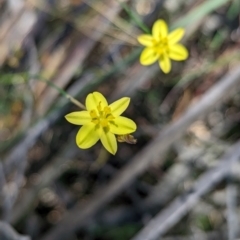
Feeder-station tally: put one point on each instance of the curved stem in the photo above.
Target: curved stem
(60, 90)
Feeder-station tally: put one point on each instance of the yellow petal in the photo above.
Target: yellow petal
(178, 52)
(122, 125)
(148, 56)
(175, 35)
(119, 106)
(78, 118)
(87, 136)
(146, 40)
(165, 63)
(159, 29)
(109, 141)
(93, 100)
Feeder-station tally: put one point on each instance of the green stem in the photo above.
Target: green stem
(135, 17)
(60, 90)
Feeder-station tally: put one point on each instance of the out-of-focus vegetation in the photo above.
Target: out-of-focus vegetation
(55, 51)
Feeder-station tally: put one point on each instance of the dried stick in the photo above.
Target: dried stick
(79, 215)
(231, 202)
(181, 205)
(219, 235)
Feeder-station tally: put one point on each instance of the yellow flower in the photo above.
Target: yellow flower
(162, 46)
(101, 121)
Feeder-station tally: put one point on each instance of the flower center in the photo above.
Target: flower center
(161, 46)
(101, 116)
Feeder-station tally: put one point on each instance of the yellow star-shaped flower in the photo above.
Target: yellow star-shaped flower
(101, 121)
(162, 46)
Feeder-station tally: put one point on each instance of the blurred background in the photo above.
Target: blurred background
(180, 181)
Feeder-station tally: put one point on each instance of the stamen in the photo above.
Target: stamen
(107, 110)
(93, 114)
(101, 116)
(161, 46)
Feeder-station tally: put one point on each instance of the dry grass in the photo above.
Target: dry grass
(177, 182)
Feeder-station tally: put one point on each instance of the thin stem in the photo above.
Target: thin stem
(60, 90)
(135, 17)
(118, 22)
(75, 101)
